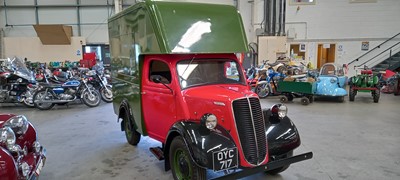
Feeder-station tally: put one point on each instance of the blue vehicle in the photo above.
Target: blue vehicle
(331, 81)
(66, 92)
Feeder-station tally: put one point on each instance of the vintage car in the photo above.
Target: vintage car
(331, 81)
(21, 155)
(177, 79)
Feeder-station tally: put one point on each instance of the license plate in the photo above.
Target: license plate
(225, 159)
(40, 166)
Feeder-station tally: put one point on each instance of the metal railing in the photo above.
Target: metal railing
(378, 47)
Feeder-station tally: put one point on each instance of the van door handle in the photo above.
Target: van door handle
(143, 92)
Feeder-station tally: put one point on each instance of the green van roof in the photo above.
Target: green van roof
(183, 27)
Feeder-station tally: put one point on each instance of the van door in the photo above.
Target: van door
(158, 101)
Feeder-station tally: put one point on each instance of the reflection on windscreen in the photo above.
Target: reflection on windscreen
(208, 71)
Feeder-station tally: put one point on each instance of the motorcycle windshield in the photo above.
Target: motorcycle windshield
(20, 69)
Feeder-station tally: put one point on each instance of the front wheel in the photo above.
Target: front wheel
(27, 99)
(283, 168)
(41, 96)
(182, 165)
(352, 94)
(106, 94)
(132, 136)
(376, 95)
(262, 90)
(91, 97)
(396, 88)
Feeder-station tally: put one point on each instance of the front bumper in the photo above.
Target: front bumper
(41, 160)
(268, 166)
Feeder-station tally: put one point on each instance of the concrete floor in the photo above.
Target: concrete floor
(350, 140)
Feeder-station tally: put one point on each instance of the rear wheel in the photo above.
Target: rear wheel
(262, 90)
(132, 136)
(352, 94)
(376, 95)
(182, 165)
(283, 168)
(283, 99)
(305, 101)
(290, 97)
(396, 88)
(43, 95)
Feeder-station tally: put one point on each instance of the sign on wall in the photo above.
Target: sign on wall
(365, 46)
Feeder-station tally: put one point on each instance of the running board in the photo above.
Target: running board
(158, 152)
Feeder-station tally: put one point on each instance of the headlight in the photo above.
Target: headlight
(7, 136)
(209, 120)
(333, 80)
(279, 110)
(25, 169)
(18, 124)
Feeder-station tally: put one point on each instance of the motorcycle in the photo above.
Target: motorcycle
(100, 83)
(268, 86)
(69, 91)
(17, 83)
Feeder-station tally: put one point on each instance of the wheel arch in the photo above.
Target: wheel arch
(124, 109)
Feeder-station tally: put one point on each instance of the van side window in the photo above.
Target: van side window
(160, 68)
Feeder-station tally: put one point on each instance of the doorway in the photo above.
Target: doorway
(326, 54)
(102, 52)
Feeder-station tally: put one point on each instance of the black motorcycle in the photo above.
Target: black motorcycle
(100, 83)
(17, 83)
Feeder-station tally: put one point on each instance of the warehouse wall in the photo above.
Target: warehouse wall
(342, 23)
(32, 49)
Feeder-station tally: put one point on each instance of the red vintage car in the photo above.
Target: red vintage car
(21, 154)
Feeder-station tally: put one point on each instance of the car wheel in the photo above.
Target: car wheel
(290, 97)
(283, 99)
(283, 168)
(132, 136)
(305, 101)
(181, 163)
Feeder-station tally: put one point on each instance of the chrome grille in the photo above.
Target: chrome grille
(251, 129)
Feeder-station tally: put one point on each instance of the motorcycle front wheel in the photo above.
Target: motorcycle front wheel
(91, 97)
(262, 90)
(27, 99)
(43, 95)
(106, 95)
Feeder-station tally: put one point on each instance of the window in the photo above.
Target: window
(159, 68)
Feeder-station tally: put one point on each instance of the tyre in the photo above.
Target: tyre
(106, 95)
(290, 97)
(283, 99)
(311, 98)
(352, 94)
(376, 95)
(281, 69)
(262, 90)
(341, 99)
(283, 168)
(181, 163)
(305, 101)
(42, 95)
(396, 88)
(91, 97)
(132, 136)
(27, 99)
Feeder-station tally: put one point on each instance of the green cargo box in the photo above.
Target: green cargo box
(297, 87)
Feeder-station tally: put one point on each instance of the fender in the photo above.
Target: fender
(125, 108)
(200, 141)
(8, 167)
(282, 134)
(263, 82)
